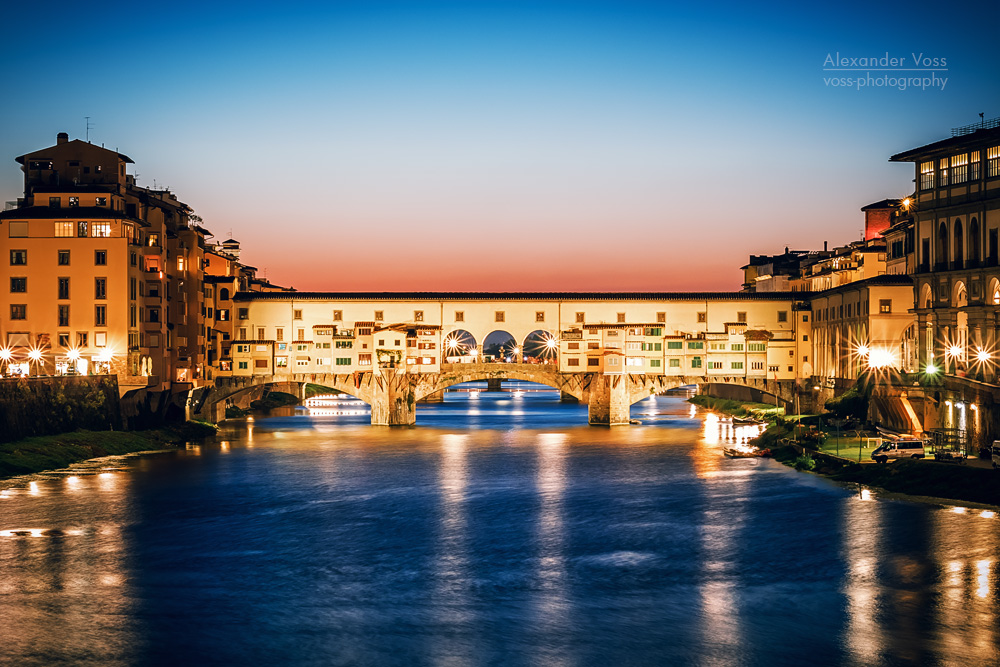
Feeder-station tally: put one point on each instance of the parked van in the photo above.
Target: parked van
(899, 449)
(995, 454)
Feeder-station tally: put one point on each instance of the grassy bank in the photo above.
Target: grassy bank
(50, 452)
(737, 408)
(915, 478)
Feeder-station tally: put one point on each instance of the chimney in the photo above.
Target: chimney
(824, 245)
(62, 138)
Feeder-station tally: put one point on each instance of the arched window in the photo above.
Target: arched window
(974, 243)
(941, 260)
(959, 246)
(224, 294)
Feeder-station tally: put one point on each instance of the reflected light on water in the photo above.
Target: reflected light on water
(988, 514)
(983, 578)
(33, 488)
(552, 605)
(862, 530)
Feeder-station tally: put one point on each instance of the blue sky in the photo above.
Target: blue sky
(497, 145)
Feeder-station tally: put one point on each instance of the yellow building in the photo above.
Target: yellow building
(101, 275)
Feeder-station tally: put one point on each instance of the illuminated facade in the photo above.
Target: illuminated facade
(683, 334)
(100, 275)
(956, 224)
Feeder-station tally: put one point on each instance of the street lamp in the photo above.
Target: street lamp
(35, 355)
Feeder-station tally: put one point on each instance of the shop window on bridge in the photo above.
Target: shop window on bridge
(244, 365)
(695, 362)
(364, 360)
(703, 317)
(674, 345)
(757, 347)
(885, 305)
(675, 363)
(572, 362)
(772, 369)
(593, 346)
(653, 331)
(736, 365)
(661, 317)
(281, 362)
(459, 316)
(741, 316)
(581, 317)
(539, 316)
(756, 365)
(418, 316)
(260, 363)
(736, 347)
(379, 315)
(696, 345)
(782, 315)
(715, 365)
(343, 361)
(654, 363)
(297, 314)
(593, 362)
(338, 315)
(499, 316)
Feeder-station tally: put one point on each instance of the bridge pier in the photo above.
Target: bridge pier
(609, 401)
(393, 401)
(493, 384)
(567, 398)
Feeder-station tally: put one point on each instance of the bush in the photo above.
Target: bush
(805, 462)
(852, 403)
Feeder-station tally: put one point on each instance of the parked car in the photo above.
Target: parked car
(899, 449)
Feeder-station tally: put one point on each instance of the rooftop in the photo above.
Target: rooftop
(521, 296)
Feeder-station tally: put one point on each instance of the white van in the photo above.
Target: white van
(899, 449)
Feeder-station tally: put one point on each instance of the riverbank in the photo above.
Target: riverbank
(51, 452)
(918, 479)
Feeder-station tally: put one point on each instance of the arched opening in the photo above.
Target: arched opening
(500, 346)
(224, 294)
(960, 295)
(975, 242)
(993, 295)
(540, 347)
(460, 346)
(959, 247)
(926, 297)
(941, 260)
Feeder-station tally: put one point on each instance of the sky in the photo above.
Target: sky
(563, 146)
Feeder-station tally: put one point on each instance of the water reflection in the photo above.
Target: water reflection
(308, 540)
(552, 604)
(64, 593)
(862, 531)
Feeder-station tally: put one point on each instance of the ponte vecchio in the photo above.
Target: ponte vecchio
(392, 349)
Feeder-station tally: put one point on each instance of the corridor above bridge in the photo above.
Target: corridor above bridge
(725, 334)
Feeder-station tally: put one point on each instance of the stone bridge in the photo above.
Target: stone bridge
(393, 395)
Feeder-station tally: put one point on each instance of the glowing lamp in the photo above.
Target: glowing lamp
(35, 355)
(931, 369)
(954, 351)
(551, 343)
(906, 203)
(73, 355)
(862, 350)
(880, 358)
(5, 354)
(982, 356)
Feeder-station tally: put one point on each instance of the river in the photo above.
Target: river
(500, 531)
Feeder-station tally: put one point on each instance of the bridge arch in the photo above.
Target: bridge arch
(461, 373)
(459, 343)
(540, 345)
(499, 344)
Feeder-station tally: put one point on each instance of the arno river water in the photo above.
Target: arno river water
(500, 531)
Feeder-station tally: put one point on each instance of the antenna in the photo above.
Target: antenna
(91, 125)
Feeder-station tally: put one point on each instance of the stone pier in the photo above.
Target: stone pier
(609, 400)
(494, 384)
